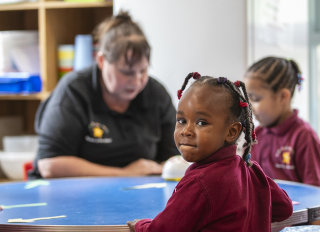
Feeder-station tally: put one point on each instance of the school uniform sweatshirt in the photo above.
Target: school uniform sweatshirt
(222, 194)
(289, 151)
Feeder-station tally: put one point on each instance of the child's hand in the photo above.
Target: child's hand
(131, 224)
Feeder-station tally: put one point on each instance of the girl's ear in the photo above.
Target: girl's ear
(234, 131)
(100, 59)
(285, 95)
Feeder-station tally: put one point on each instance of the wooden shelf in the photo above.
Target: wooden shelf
(20, 6)
(38, 96)
(59, 4)
(58, 22)
(53, 5)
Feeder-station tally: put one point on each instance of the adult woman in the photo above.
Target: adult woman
(110, 119)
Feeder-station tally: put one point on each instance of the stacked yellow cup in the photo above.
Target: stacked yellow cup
(65, 58)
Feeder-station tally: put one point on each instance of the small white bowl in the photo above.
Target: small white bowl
(20, 143)
(174, 168)
(12, 163)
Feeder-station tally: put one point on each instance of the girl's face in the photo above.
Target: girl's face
(266, 105)
(202, 122)
(123, 81)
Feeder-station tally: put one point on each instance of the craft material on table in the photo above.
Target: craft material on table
(22, 205)
(21, 220)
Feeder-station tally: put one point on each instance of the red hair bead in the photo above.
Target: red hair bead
(243, 104)
(179, 93)
(237, 83)
(196, 75)
(254, 136)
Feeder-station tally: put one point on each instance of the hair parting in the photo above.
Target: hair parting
(277, 73)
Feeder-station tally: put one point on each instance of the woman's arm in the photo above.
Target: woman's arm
(70, 166)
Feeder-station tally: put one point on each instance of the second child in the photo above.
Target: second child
(288, 148)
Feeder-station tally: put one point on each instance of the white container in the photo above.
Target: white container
(12, 163)
(19, 51)
(20, 143)
(174, 168)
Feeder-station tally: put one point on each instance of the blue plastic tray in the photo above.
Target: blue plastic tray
(19, 82)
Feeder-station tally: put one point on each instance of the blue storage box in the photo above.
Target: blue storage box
(19, 83)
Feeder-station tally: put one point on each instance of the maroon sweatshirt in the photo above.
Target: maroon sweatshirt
(222, 194)
(289, 151)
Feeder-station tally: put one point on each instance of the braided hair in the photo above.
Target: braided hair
(277, 72)
(240, 106)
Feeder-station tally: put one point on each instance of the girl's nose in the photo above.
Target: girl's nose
(187, 130)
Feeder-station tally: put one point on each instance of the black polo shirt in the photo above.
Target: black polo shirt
(75, 121)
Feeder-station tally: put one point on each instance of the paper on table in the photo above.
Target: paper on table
(35, 183)
(22, 205)
(21, 220)
(146, 186)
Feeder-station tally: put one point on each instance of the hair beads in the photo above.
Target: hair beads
(194, 75)
(240, 105)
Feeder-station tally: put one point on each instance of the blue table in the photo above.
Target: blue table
(307, 228)
(308, 207)
(99, 204)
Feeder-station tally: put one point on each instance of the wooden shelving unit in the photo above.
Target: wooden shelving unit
(57, 23)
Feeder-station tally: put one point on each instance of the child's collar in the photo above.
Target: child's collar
(283, 127)
(221, 154)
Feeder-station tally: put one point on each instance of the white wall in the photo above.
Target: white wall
(280, 28)
(206, 36)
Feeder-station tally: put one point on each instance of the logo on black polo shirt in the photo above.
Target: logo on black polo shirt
(98, 133)
(284, 157)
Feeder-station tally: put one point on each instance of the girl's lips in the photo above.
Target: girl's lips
(187, 144)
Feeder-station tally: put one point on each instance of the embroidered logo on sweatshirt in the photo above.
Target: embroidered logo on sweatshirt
(98, 133)
(284, 158)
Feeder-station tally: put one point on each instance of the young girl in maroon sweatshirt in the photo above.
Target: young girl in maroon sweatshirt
(220, 191)
(288, 148)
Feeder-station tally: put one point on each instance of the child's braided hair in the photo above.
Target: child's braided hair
(277, 72)
(240, 106)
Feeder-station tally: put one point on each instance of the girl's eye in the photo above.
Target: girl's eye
(202, 123)
(254, 98)
(180, 121)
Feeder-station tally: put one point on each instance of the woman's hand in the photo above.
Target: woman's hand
(69, 166)
(142, 167)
